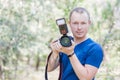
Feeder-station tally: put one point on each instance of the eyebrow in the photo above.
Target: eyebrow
(83, 22)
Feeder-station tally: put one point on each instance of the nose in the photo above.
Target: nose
(79, 26)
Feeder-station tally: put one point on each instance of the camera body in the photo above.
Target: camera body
(64, 40)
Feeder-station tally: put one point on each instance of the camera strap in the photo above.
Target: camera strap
(46, 74)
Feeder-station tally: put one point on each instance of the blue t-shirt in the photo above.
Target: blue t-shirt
(88, 52)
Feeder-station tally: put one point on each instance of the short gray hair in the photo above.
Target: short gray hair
(79, 10)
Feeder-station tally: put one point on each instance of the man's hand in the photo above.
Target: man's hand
(68, 50)
(54, 58)
(57, 47)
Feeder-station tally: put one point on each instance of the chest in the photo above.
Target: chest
(82, 53)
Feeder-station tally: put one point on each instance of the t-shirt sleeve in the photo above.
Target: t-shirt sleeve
(95, 56)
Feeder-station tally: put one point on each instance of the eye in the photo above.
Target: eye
(75, 23)
(83, 23)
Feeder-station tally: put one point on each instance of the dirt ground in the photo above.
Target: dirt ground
(32, 74)
(28, 72)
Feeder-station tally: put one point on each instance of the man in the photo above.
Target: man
(81, 60)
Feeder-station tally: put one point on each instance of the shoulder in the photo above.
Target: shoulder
(93, 48)
(96, 50)
(95, 54)
(94, 45)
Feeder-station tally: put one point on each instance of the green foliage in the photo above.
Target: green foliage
(28, 26)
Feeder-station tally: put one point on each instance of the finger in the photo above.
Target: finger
(52, 45)
(54, 41)
(58, 46)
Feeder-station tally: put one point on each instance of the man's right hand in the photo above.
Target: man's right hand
(54, 58)
(55, 46)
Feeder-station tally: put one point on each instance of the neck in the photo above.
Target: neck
(79, 40)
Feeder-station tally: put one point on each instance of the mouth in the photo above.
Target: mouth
(79, 32)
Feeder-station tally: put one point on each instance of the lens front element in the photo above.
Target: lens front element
(65, 41)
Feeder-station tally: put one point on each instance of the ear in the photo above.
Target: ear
(69, 23)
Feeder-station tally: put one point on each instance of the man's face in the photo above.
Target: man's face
(79, 24)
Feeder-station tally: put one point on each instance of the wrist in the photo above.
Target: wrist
(55, 53)
(70, 55)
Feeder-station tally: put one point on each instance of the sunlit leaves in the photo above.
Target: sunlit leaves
(28, 26)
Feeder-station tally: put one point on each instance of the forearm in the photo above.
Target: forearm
(80, 70)
(53, 62)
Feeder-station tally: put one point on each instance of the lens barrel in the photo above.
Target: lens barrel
(65, 41)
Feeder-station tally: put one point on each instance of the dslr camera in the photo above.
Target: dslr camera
(65, 40)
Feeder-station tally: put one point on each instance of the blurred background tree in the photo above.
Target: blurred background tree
(28, 26)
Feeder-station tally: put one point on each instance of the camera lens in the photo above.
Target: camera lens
(65, 41)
